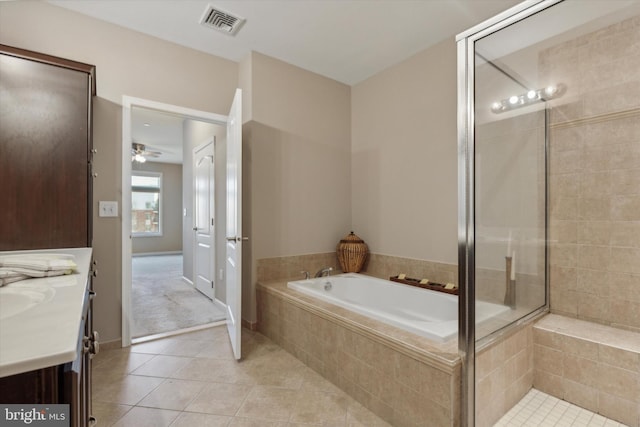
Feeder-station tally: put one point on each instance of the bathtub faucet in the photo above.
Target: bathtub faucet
(324, 272)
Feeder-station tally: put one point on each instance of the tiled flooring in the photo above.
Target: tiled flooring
(192, 380)
(538, 409)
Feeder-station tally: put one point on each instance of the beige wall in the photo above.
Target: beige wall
(296, 163)
(404, 157)
(171, 210)
(128, 63)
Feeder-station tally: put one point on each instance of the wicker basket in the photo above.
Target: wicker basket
(352, 253)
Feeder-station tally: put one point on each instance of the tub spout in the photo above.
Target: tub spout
(324, 272)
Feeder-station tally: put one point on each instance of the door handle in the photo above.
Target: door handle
(195, 229)
(237, 239)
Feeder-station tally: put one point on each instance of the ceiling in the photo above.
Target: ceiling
(345, 40)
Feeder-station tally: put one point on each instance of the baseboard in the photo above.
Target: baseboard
(187, 281)
(252, 326)
(157, 253)
(111, 345)
(220, 304)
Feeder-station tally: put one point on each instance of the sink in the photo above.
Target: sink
(16, 300)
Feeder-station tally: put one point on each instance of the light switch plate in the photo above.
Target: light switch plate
(108, 208)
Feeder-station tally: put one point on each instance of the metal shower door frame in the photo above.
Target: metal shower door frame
(465, 42)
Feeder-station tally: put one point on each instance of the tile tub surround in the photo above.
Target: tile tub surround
(405, 379)
(377, 265)
(593, 366)
(192, 380)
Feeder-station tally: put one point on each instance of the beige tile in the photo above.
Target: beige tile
(580, 370)
(173, 394)
(619, 382)
(219, 370)
(190, 419)
(626, 260)
(622, 410)
(219, 399)
(151, 347)
(625, 208)
(548, 383)
(216, 349)
(108, 413)
(147, 417)
(625, 233)
(320, 407)
(119, 362)
(162, 366)
(593, 307)
(594, 282)
(595, 208)
(594, 184)
(625, 181)
(594, 257)
(128, 390)
(269, 403)
(548, 360)
(251, 422)
(619, 357)
(625, 312)
(579, 347)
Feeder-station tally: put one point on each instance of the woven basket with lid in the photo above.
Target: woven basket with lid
(352, 253)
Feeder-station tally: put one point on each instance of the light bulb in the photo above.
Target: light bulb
(550, 90)
(531, 94)
(513, 100)
(140, 158)
(496, 106)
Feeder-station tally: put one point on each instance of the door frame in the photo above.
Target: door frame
(128, 102)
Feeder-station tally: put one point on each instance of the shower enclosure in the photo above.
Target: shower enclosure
(548, 181)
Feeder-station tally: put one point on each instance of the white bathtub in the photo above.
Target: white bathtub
(431, 314)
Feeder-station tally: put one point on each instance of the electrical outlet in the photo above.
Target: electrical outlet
(108, 209)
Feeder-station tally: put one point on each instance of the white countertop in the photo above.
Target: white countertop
(45, 334)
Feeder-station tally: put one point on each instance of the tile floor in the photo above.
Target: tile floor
(193, 380)
(538, 409)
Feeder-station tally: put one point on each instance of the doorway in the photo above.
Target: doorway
(159, 286)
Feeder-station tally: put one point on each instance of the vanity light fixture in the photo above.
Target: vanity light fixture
(531, 97)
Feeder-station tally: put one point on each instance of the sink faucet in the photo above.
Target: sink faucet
(324, 272)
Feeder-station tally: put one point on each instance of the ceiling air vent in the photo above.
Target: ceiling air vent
(221, 20)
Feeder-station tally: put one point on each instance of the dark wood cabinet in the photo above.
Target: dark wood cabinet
(45, 151)
(46, 196)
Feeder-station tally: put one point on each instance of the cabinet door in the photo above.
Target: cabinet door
(44, 153)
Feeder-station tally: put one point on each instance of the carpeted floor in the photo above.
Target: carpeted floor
(162, 301)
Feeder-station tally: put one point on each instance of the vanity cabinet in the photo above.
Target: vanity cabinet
(45, 151)
(46, 191)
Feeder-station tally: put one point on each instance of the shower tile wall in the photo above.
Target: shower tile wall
(595, 175)
(504, 374)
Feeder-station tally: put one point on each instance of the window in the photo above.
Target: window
(146, 191)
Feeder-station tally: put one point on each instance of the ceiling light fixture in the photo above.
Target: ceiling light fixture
(531, 97)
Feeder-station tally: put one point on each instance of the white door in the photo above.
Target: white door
(234, 223)
(203, 221)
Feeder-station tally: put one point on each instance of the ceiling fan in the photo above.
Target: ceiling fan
(139, 153)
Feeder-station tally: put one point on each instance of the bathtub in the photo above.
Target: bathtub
(431, 314)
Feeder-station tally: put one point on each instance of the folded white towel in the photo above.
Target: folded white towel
(39, 262)
(36, 273)
(8, 276)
